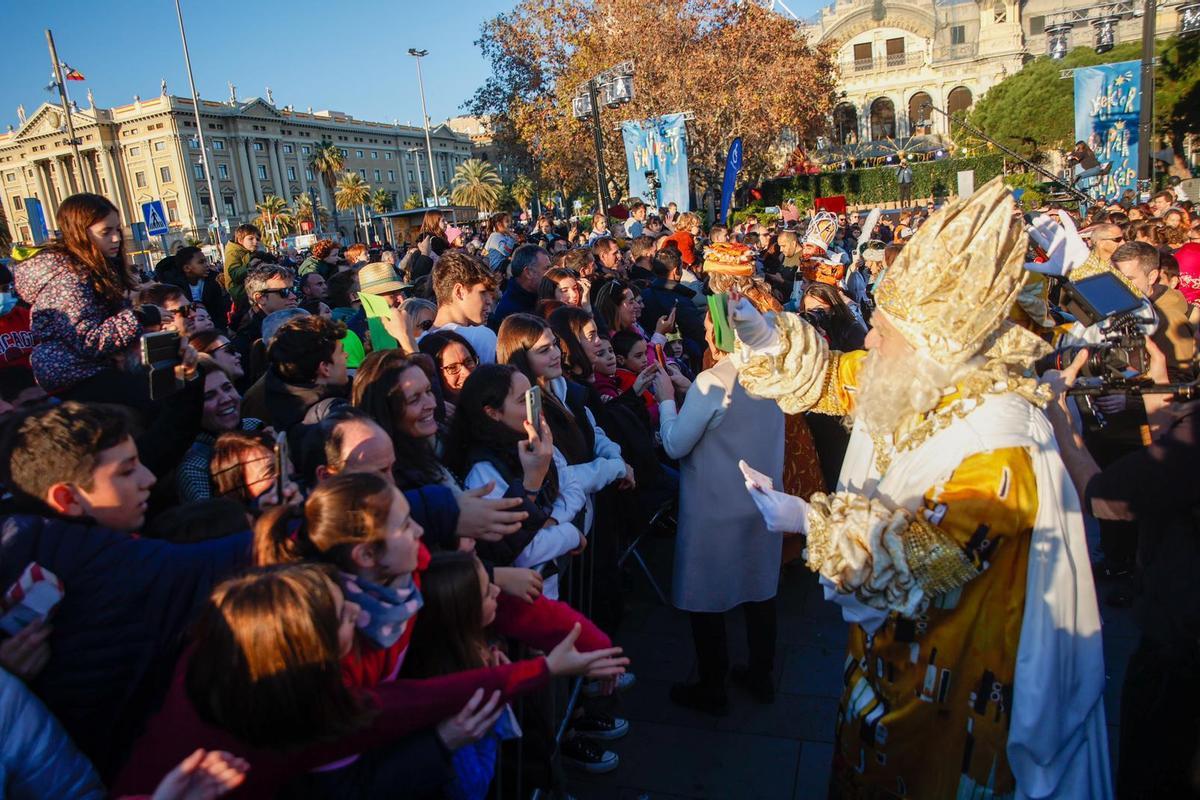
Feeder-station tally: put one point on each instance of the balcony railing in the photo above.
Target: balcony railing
(884, 63)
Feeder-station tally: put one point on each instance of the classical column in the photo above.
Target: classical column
(249, 192)
(49, 207)
(282, 186)
(301, 166)
(115, 188)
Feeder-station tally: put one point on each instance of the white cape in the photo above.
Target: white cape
(1057, 743)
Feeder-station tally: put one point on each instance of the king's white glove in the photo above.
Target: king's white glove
(1065, 248)
(752, 327)
(782, 512)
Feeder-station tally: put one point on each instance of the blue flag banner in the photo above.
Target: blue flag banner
(658, 145)
(733, 165)
(37, 220)
(1108, 100)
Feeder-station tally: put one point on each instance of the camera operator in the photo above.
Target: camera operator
(1153, 487)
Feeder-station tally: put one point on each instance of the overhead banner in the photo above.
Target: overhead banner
(733, 165)
(658, 146)
(1108, 100)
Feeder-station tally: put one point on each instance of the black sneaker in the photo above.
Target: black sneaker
(700, 698)
(598, 725)
(760, 685)
(588, 755)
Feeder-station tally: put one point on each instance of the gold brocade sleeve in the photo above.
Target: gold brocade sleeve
(804, 374)
(897, 560)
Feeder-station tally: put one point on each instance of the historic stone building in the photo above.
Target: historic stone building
(148, 150)
(896, 56)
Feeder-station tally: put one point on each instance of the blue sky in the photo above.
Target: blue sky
(354, 60)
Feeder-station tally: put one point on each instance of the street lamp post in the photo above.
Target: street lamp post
(418, 55)
(215, 220)
(617, 87)
(420, 176)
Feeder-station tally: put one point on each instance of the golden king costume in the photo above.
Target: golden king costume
(955, 542)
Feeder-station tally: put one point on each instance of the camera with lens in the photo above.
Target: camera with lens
(1124, 321)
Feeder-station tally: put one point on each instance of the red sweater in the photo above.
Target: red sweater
(404, 707)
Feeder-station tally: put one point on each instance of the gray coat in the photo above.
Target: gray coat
(724, 554)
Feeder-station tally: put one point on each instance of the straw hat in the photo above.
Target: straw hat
(379, 277)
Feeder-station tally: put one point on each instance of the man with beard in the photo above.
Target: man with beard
(954, 542)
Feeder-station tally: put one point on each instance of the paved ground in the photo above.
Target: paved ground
(770, 752)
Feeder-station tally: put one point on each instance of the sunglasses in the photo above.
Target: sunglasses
(225, 348)
(425, 324)
(184, 310)
(284, 292)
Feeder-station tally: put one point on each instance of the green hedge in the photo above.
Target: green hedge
(878, 184)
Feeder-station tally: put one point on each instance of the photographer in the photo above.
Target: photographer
(1153, 488)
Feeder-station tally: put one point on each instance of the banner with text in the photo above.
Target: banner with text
(1108, 100)
(659, 146)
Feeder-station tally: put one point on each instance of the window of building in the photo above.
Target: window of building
(258, 146)
(18, 203)
(205, 207)
(895, 51)
(958, 34)
(410, 176)
(10, 177)
(291, 171)
(198, 171)
(1037, 25)
(374, 154)
(218, 144)
(104, 185)
(308, 174)
(262, 171)
(287, 148)
(139, 179)
(387, 156)
(135, 151)
(391, 176)
(443, 177)
(862, 56)
(24, 233)
(172, 211)
(230, 205)
(363, 173)
(358, 154)
(223, 171)
(165, 174)
(345, 153)
(194, 143)
(377, 176)
(160, 146)
(305, 149)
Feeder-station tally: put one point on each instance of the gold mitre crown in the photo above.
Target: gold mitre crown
(821, 231)
(952, 285)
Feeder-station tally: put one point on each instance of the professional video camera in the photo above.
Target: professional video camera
(1118, 362)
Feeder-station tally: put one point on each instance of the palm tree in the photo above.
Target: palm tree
(275, 217)
(476, 183)
(522, 191)
(327, 161)
(381, 201)
(304, 211)
(354, 192)
(413, 201)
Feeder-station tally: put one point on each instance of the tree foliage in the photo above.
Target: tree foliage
(476, 183)
(522, 190)
(274, 216)
(741, 69)
(381, 201)
(352, 191)
(1033, 110)
(303, 204)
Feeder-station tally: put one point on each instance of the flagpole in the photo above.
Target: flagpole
(62, 95)
(215, 217)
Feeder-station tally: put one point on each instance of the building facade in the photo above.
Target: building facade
(484, 146)
(898, 57)
(149, 150)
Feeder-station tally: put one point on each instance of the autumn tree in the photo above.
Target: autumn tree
(741, 69)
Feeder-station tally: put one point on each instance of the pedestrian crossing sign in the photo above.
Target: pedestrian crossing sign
(156, 219)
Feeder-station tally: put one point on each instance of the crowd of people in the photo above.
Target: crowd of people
(325, 524)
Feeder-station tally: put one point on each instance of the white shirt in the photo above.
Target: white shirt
(481, 337)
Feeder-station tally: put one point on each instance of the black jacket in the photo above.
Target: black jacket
(660, 297)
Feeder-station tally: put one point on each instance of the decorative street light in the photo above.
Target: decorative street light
(614, 87)
(418, 55)
(1189, 19)
(1106, 33)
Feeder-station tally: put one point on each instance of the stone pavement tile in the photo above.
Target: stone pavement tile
(649, 701)
(813, 670)
(806, 630)
(696, 763)
(812, 773)
(792, 716)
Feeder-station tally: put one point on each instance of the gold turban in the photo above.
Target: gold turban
(951, 287)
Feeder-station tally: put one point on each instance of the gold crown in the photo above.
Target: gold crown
(952, 285)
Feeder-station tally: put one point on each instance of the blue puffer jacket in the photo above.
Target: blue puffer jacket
(37, 758)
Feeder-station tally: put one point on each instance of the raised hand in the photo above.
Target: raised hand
(564, 659)
(472, 723)
(488, 519)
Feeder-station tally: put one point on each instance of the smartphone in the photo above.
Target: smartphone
(533, 407)
(160, 357)
(660, 355)
(281, 466)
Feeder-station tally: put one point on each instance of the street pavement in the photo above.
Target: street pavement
(775, 752)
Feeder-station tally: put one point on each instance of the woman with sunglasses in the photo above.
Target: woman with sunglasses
(218, 347)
